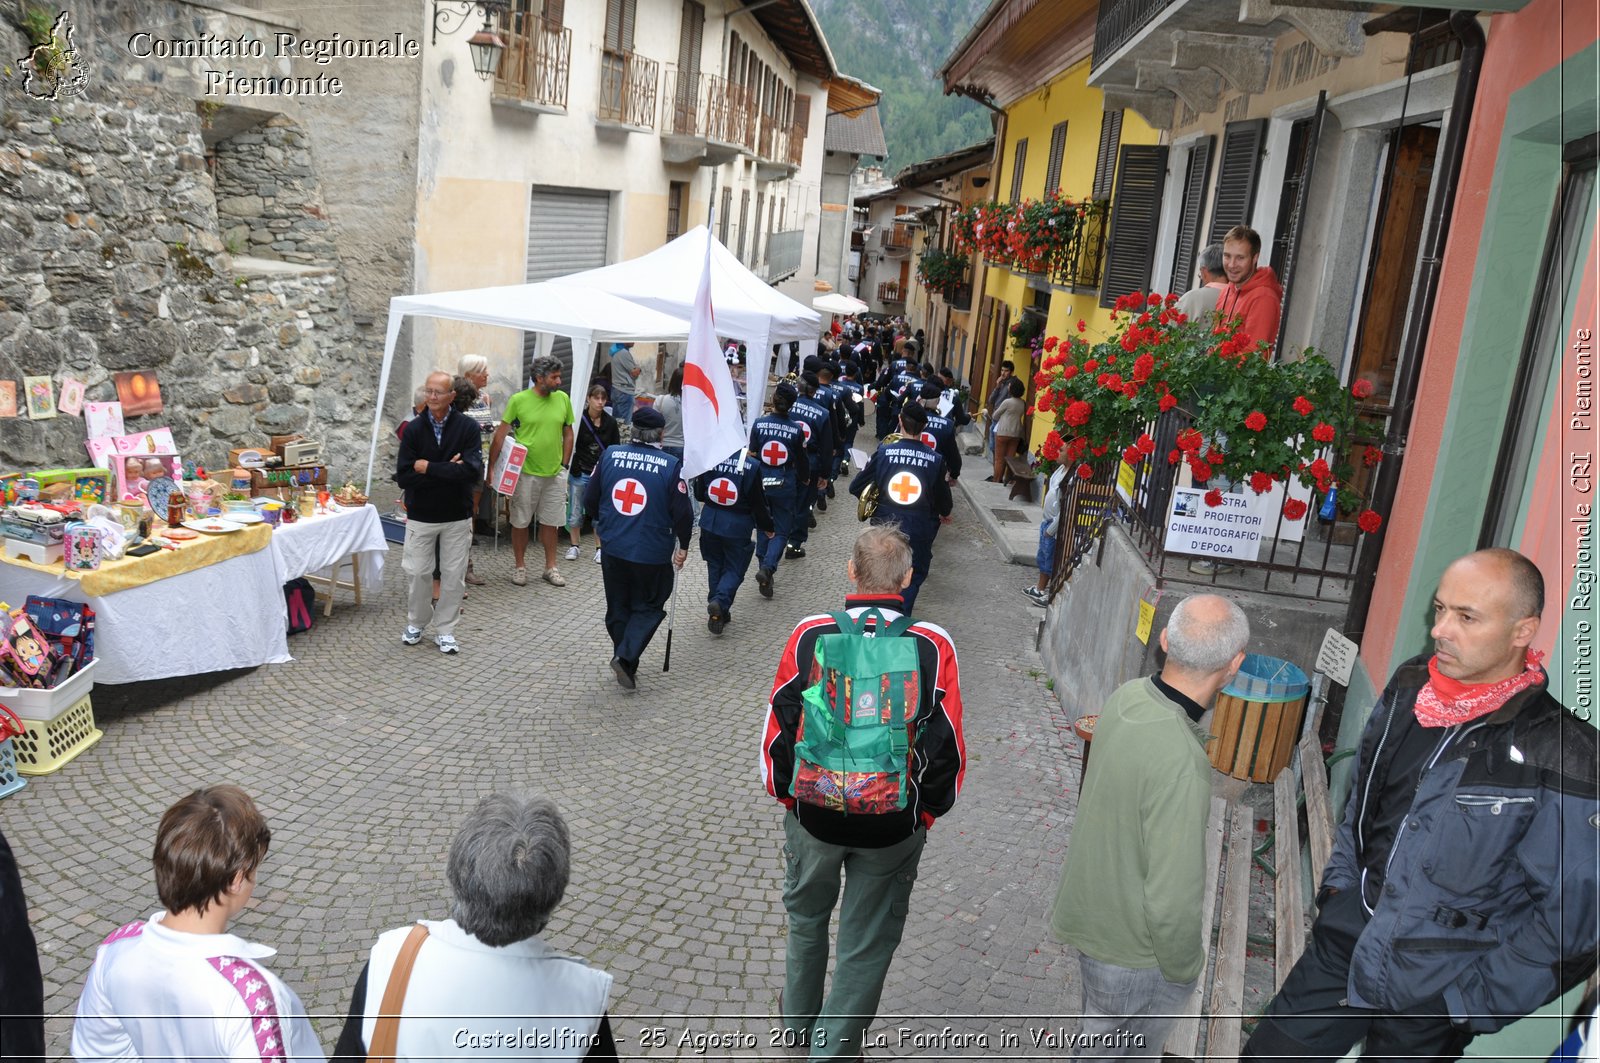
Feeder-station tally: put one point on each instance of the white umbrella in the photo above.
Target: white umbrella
(839, 303)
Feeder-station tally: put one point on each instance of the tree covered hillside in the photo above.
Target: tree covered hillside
(898, 46)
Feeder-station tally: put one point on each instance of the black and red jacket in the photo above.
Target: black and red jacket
(938, 751)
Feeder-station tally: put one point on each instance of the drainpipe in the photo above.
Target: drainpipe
(1466, 28)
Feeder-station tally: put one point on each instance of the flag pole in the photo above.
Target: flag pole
(672, 614)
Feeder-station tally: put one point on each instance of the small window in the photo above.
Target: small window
(677, 195)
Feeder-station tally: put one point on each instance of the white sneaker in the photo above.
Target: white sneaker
(447, 644)
(597, 555)
(411, 635)
(572, 553)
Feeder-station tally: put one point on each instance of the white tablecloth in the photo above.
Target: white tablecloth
(228, 615)
(318, 543)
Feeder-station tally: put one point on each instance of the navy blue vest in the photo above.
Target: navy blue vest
(780, 444)
(942, 431)
(635, 513)
(909, 476)
(728, 492)
(819, 419)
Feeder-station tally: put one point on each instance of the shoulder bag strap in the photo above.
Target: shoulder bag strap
(387, 1032)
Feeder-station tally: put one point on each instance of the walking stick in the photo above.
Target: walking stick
(672, 614)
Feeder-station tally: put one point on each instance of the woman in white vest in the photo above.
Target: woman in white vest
(482, 982)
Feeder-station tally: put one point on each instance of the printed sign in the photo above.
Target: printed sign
(1232, 531)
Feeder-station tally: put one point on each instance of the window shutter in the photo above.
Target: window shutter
(1020, 161)
(630, 9)
(1105, 160)
(689, 41)
(1135, 213)
(1194, 198)
(555, 12)
(614, 24)
(722, 222)
(802, 113)
(1058, 148)
(1236, 178)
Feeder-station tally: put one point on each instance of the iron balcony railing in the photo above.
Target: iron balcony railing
(796, 145)
(1082, 262)
(897, 237)
(683, 103)
(729, 117)
(628, 88)
(1322, 565)
(537, 62)
(1119, 22)
(891, 292)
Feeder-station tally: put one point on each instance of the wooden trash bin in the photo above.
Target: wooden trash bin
(1257, 721)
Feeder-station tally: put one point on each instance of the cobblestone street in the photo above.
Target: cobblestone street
(365, 754)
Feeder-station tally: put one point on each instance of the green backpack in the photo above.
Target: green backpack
(853, 748)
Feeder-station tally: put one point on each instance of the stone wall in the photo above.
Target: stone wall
(115, 261)
(269, 202)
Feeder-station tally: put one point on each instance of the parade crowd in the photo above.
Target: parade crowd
(1460, 894)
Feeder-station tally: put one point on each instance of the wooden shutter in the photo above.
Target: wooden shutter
(722, 222)
(555, 12)
(619, 24)
(1135, 213)
(1058, 148)
(744, 223)
(690, 37)
(1236, 177)
(1105, 160)
(1018, 162)
(802, 113)
(1194, 198)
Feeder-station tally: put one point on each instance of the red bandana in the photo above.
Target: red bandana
(1444, 702)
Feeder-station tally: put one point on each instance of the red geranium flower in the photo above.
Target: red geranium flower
(1302, 405)
(1260, 482)
(1293, 509)
(1363, 388)
(1256, 421)
(1323, 433)
(1145, 444)
(1077, 413)
(1041, 379)
(1069, 372)
(1200, 471)
(1371, 456)
(1083, 326)
(1214, 498)
(1174, 457)
(1369, 521)
(1155, 299)
(1130, 454)
(1190, 439)
(1085, 471)
(1215, 456)
(1167, 402)
(1090, 366)
(1050, 343)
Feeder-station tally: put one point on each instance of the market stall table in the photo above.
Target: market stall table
(215, 603)
(328, 542)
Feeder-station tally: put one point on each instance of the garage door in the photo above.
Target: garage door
(567, 232)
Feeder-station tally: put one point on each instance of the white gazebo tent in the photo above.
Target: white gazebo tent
(746, 307)
(586, 315)
(839, 303)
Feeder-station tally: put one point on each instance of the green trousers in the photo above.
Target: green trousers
(877, 897)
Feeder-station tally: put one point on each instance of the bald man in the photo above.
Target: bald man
(1460, 895)
(1133, 885)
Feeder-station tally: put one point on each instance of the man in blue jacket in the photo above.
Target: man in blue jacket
(640, 505)
(440, 460)
(913, 492)
(1461, 891)
(735, 506)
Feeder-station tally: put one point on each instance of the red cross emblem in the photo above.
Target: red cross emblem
(928, 440)
(805, 430)
(905, 488)
(723, 491)
(774, 453)
(629, 497)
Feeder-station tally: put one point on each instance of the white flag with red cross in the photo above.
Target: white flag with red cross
(712, 425)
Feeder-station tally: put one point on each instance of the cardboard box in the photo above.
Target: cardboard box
(508, 467)
(279, 441)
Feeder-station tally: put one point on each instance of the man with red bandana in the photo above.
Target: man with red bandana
(1460, 894)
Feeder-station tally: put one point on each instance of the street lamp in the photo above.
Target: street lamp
(484, 46)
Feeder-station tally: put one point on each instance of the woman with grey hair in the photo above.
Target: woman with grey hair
(483, 982)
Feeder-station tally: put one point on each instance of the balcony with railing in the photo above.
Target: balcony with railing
(783, 255)
(683, 115)
(897, 239)
(730, 115)
(627, 90)
(891, 292)
(536, 65)
(778, 149)
(1120, 21)
(1081, 264)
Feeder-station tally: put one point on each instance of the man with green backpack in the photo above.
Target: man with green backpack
(863, 747)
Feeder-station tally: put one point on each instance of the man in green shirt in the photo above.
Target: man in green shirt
(1133, 884)
(541, 419)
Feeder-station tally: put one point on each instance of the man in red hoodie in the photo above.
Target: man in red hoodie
(1253, 295)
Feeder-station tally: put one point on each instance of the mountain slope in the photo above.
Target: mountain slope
(899, 45)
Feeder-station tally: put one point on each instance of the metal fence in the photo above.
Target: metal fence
(537, 62)
(628, 88)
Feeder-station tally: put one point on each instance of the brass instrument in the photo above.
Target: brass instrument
(867, 504)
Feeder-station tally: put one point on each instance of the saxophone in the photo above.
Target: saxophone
(867, 505)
